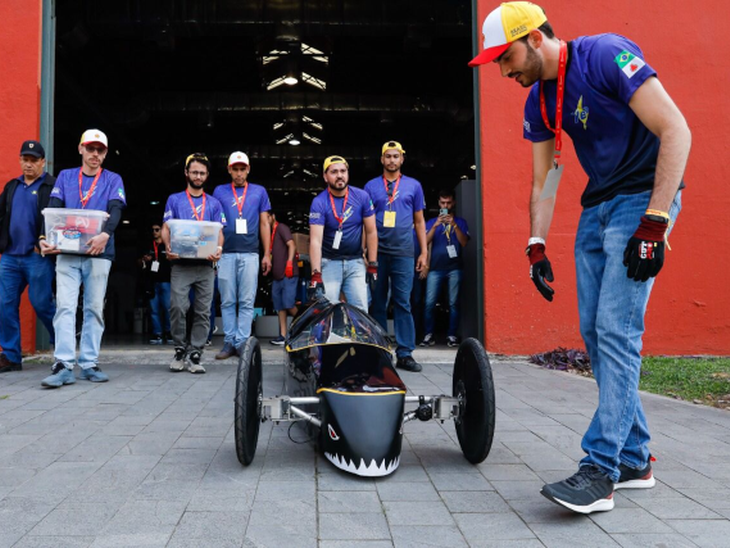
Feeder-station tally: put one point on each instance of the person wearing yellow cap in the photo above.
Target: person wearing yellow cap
(633, 143)
(337, 218)
(399, 204)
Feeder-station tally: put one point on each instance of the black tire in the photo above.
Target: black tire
(249, 395)
(473, 383)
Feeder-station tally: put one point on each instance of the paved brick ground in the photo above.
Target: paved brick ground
(148, 460)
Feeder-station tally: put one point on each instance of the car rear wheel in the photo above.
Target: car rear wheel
(249, 396)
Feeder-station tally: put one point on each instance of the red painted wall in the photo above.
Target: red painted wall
(689, 312)
(20, 64)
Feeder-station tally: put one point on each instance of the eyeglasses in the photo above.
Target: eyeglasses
(91, 149)
(198, 173)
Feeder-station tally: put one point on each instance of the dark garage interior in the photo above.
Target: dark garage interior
(287, 82)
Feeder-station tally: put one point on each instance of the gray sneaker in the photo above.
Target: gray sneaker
(178, 362)
(428, 340)
(94, 374)
(194, 363)
(59, 376)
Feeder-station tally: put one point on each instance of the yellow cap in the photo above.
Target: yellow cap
(334, 160)
(394, 145)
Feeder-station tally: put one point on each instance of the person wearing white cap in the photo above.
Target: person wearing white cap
(633, 142)
(246, 206)
(94, 188)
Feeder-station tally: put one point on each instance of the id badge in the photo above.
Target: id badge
(241, 226)
(389, 219)
(155, 266)
(337, 240)
(550, 189)
(451, 250)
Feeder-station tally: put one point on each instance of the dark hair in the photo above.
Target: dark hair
(447, 194)
(546, 28)
(199, 157)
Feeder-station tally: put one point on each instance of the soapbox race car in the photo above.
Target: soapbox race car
(339, 377)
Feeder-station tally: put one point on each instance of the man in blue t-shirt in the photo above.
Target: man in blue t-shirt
(447, 235)
(399, 205)
(192, 205)
(337, 218)
(21, 264)
(87, 187)
(633, 143)
(246, 206)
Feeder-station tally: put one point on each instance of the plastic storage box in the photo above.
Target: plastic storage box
(193, 239)
(71, 229)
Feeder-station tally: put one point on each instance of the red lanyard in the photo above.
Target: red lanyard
(240, 201)
(562, 63)
(192, 206)
(273, 235)
(85, 198)
(154, 244)
(392, 196)
(344, 206)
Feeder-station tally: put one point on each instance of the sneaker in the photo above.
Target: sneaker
(588, 490)
(59, 376)
(408, 363)
(156, 339)
(209, 342)
(6, 366)
(178, 362)
(452, 342)
(631, 478)
(428, 340)
(194, 363)
(94, 374)
(278, 341)
(226, 352)
(168, 337)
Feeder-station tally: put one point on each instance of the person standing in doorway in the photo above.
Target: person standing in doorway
(399, 204)
(94, 188)
(285, 271)
(246, 205)
(157, 269)
(633, 142)
(21, 264)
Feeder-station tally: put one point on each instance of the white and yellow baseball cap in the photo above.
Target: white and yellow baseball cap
(94, 136)
(509, 22)
(238, 158)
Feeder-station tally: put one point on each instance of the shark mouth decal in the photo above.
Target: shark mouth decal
(371, 470)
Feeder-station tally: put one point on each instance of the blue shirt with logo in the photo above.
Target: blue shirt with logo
(108, 187)
(358, 208)
(616, 150)
(23, 227)
(257, 202)
(407, 200)
(442, 238)
(178, 207)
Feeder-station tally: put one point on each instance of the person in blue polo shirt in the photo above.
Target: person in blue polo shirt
(633, 143)
(192, 204)
(246, 206)
(94, 188)
(399, 204)
(21, 264)
(337, 218)
(448, 235)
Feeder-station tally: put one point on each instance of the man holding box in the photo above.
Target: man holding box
(21, 266)
(247, 206)
(92, 188)
(192, 205)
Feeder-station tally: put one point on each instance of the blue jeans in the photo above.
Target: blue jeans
(160, 308)
(434, 283)
(71, 272)
(611, 308)
(238, 277)
(398, 272)
(16, 273)
(346, 276)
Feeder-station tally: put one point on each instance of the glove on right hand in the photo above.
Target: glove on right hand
(540, 270)
(316, 286)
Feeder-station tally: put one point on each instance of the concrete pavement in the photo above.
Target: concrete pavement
(148, 459)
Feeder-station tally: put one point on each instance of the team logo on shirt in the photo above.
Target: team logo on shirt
(629, 63)
(120, 193)
(580, 114)
(526, 125)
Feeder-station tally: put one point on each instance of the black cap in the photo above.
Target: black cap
(32, 148)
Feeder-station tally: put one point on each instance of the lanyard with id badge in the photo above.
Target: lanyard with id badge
(338, 235)
(550, 189)
(450, 248)
(389, 214)
(241, 226)
(155, 266)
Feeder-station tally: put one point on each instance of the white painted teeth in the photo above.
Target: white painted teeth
(369, 470)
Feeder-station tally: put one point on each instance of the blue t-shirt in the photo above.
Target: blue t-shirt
(178, 207)
(617, 152)
(358, 208)
(109, 187)
(407, 200)
(442, 238)
(257, 202)
(23, 229)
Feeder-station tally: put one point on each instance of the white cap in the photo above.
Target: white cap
(94, 136)
(238, 158)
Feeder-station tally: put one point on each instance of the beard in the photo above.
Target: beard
(197, 184)
(532, 71)
(335, 188)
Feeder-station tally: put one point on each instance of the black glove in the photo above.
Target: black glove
(540, 270)
(371, 276)
(644, 254)
(315, 289)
